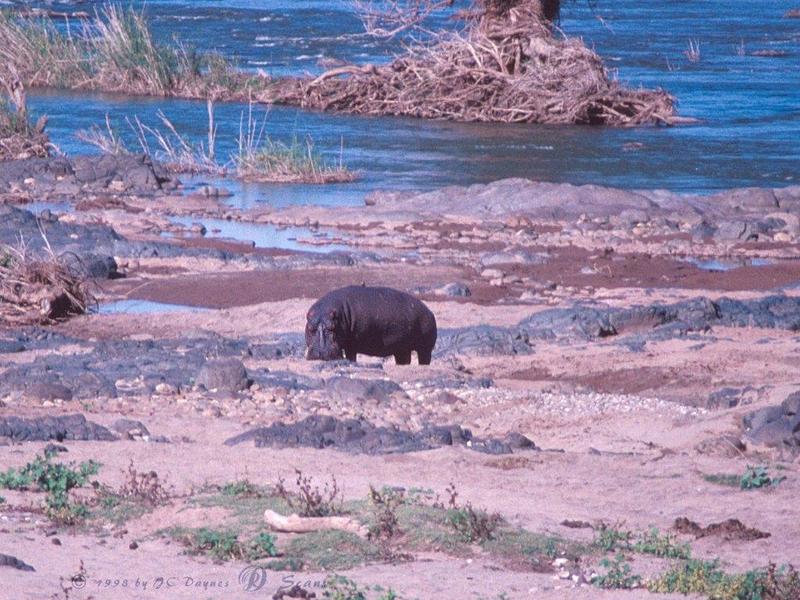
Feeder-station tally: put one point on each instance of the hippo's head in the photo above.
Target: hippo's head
(322, 340)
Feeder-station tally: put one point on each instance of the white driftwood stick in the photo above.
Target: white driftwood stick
(297, 524)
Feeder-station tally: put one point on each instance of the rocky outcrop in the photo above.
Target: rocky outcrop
(62, 176)
(60, 428)
(359, 436)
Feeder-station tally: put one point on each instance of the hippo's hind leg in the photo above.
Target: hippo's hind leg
(403, 358)
(350, 354)
(424, 356)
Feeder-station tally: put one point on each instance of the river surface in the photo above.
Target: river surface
(748, 105)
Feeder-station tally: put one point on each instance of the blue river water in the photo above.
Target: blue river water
(748, 104)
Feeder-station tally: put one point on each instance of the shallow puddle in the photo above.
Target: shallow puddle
(264, 235)
(58, 208)
(727, 264)
(142, 307)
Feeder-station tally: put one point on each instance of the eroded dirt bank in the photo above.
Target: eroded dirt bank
(607, 361)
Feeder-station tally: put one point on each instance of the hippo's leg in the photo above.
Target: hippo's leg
(424, 356)
(351, 354)
(403, 358)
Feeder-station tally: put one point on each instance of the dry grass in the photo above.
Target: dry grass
(18, 138)
(506, 66)
(39, 287)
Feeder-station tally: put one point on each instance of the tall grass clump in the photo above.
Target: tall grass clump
(257, 157)
(114, 51)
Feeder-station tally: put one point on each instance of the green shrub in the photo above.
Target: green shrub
(663, 546)
(56, 480)
(756, 477)
(618, 575)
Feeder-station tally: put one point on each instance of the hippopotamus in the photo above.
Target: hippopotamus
(376, 321)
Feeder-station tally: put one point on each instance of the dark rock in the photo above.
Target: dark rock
(453, 290)
(51, 449)
(346, 388)
(65, 427)
(130, 429)
(762, 416)
(359, 436)
(775, 434)
(791, 405)
(277, 350)
(48, 391)
(93, 265)
(11, 346)
(6, 560)
(518, 441)
(730, 397)
(228, 375)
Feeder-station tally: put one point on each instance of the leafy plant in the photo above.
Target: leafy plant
(609, 539)
(707, 578)
(262, 546)
(619, 574)
(663, 546)
(57, 480)
(756, 477)
(225, 545)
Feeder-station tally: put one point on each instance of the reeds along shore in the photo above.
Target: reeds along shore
(115, 52)
(506, 65)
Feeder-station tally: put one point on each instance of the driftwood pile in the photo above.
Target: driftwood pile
(506, 66)
(39, 288)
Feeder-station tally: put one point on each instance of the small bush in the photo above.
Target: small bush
(384, 506)
(310, 500)
(473, 525)
(618, 575)
(242, 488)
